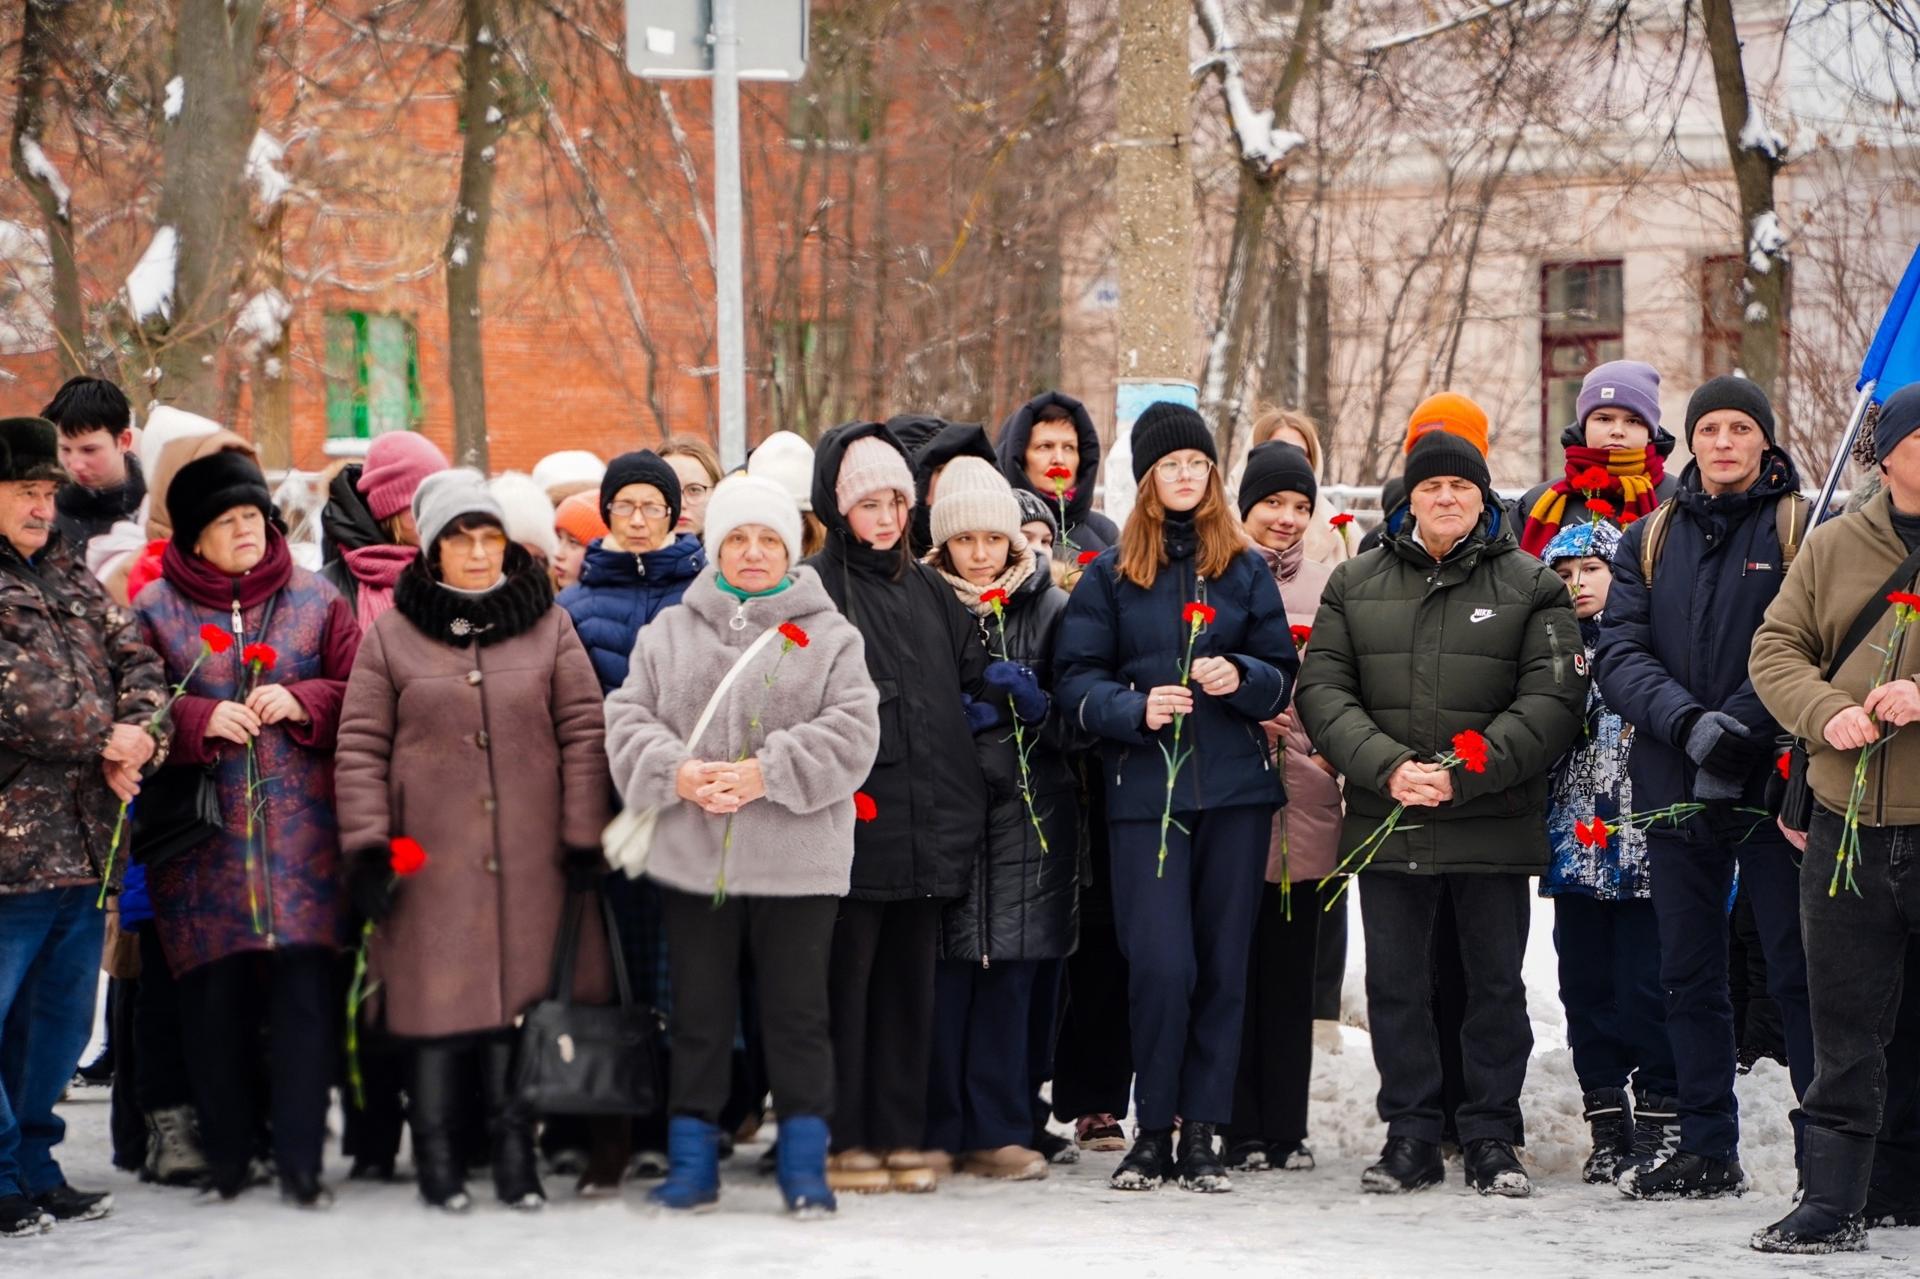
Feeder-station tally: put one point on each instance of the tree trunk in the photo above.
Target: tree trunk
(42, 29)
(1754, 164)
(466, 250)
(1319, 351)
(204, 204)
(1153, 191)
(1280, 370)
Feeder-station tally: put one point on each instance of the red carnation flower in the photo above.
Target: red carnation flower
(1600, 508)
(1904, 599)
(863, 806)
(995, 597)
(1593, 480)
(261, 655)
(1593, 834)
(1059, 473)
(1628, 518)
(1471, 747)
(1784, 766)
(793, 635)
(1088, 557)
(406, 856)
(1341, 520)
(1301, 634)
(1198, 614)
(216, 640)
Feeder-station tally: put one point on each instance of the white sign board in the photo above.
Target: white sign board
(668, 39)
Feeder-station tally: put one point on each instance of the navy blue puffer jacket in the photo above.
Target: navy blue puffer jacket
(619, 592)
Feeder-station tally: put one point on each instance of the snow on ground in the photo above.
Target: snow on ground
(1072, 1224)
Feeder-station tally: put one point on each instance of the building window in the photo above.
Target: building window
(1723, 309)
(808, 356)
(372, 375)
(1582, 314)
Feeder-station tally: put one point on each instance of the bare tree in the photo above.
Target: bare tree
(43, 28)
(481, 120)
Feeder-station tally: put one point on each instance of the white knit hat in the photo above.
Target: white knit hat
(529, 513)
(445, 496)
(569, 468)
(749, 499)
(787, 460)
(973, 497)
(871, 464)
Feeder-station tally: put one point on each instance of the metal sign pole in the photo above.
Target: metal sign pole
(726, 200)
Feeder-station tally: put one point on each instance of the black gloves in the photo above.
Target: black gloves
(1726, 754)
(584, 865)
(370, 884)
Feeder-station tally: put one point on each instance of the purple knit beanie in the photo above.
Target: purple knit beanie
(396, 463)
(1626, 384)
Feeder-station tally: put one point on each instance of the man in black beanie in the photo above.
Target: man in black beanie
(1691, 585)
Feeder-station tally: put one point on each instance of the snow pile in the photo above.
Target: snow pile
(264, 154)
(264, 317)
(1766, 242)
(149, 286)
(176, 98)
(44, 171)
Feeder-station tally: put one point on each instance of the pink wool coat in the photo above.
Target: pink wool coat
(1309, 826)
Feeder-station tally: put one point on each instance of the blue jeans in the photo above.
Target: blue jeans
(49, 975)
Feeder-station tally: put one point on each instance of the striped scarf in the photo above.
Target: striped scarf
(1632, 474)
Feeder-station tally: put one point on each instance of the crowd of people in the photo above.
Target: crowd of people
(928, 809)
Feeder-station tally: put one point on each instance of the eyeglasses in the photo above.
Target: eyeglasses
(695, 491)
(491, 541)
(625, 510)
(1177, 470)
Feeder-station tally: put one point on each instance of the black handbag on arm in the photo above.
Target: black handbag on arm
(1796, 796)
(589, 1059)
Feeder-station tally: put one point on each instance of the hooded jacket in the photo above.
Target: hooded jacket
(951, 440)
(1406, 653)
(353, 545)
(1672, 651)
(923, 652)
(620, 592)
(85, 513)
(1085, 527)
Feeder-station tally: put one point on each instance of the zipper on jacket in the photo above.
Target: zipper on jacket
(1553, 638)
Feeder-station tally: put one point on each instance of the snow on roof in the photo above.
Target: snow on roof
(150, 284)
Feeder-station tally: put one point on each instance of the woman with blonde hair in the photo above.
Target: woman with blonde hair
(698, 468)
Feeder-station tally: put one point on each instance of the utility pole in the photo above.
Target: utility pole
(728, 303)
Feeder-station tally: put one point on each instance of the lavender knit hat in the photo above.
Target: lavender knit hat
(1626, 384)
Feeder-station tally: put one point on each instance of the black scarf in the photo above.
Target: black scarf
(521, 599)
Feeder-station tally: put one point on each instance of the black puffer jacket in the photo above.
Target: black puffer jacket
(923, 651)
(1085, 528)
(1406, 653)
(1024, 903)
(951, 440)
(346, 525)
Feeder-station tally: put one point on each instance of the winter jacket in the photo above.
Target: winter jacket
(1084, 527)
(949, 440)
(346, 525)
(473, 724)
(1023, 903)
(1406, 653)
(1308, 828)
(1119, 640)
(72, 665)
(1575, 436)
(1680, 648)
(620, 592)
(809, 714)
(84, 514)
(923, 651)
(204, 900)
(1843, 561)
(1592, 781)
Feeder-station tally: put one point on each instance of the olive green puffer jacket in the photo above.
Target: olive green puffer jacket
(1406, 653)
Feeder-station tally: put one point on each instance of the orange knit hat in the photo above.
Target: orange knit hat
(1453, 413)
(579, 516)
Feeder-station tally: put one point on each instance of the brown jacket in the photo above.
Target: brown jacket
(1308, 827)
(1842, 562)
(493, 757)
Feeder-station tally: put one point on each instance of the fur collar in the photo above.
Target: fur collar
(511, 608)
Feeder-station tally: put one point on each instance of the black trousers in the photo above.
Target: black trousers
(1276, 1045)
(791, 939)
(978, 1086)
(1896, 1156)
(881, 996)
(1398, 912)
(224, 1006)
(1609, 955)
(1450, 1015)
(160, 1076)
(126, 1122)
(1043, 1034)
(1093, 1057)
(1757, 1027)
(1330, 962)
(370, 1134)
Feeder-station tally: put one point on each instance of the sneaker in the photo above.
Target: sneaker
(860, 1171)
(1200, 1168)
(97, 1073)
(650, 1165)
(1248, 1155)
(21, 1216)
(1609, 1117)
(66, 1205)
(1685, 1175)
(1299, 1159)
(1494, 1169)
(1057, 1149)
(1149, 1163)
(1406, 1164)
(1008, 1163)
(1099, 1132)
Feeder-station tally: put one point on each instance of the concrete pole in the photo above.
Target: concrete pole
(728, 305)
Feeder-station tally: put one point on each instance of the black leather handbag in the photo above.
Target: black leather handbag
(589, 1059)
(177, 809)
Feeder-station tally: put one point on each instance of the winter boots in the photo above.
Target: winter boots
(21, 1216)
(916, 1172)
(693, 1166)
(1149, 1163)
(66, 1205)
(1008, 1163)
(174, 1157)
(1828, 1216)
(516, 1168)
(1494, 1169)
(1200, 1168)
(801, 1165)
(1685, 1175)
(436, 1102)
(1406, 1164)
(1609, 1117)
(859, 1171)
(1249, 1154)
(1656, 1132)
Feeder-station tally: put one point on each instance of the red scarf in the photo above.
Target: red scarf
(208, 587)
(1627, 478)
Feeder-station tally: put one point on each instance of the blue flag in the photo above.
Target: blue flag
(1893, 361)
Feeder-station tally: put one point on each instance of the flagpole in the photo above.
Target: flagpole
(1854, 423)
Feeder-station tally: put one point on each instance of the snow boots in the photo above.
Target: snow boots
(1149, 1163)
(21, 1216)
(1685, 1175)
(174, 1157)
(1828, 1216)
(1406, 1164)
(1656, 1132)
(1609, 1117)
(1249, 1154)
(1494, 1169)
(693, 1166)
(1200, 1168)
(801, 1165)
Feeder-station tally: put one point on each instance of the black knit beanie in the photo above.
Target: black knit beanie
(642, 467)
(1276, 467)
(1164, 428)
(1438, 453)
(1730, 392)
(204, 490)
(29, 451)
(1035, 509)
(1899, 418)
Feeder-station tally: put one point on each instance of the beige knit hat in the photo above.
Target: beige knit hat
(871, 465)
(973, 497)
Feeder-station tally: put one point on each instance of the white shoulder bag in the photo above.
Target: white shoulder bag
(628, 839)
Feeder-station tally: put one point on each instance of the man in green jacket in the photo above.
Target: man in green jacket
(1443, 628)
(1857, 920)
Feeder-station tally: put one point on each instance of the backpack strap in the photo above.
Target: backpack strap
(1658, 525)
(1790, 521)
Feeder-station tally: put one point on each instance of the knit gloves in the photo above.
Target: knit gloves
(1726, 754)
(1022, 688)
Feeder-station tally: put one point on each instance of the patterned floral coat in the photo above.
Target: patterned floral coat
(1592, 781)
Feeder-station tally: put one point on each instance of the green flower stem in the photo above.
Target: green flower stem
(356, 996)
